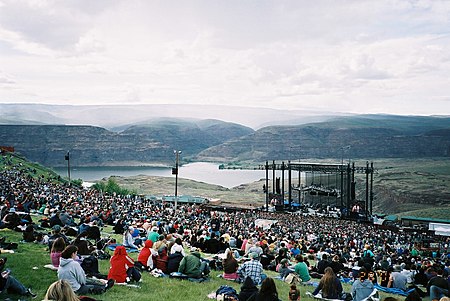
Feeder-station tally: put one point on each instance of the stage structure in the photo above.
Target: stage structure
(325, 184)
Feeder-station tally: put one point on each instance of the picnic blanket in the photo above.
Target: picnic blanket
(112, 247)
(395, 291)
(319, 297)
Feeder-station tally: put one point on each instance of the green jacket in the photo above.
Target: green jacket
(190, 265)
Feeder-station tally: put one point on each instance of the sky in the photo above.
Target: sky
(359, 56)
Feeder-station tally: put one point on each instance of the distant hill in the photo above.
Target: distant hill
(152, 143)
(121, 116)
(365, 136)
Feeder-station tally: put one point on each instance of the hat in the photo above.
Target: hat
(177, 248)
(155, 229)
(397, 268)
(56, 228)
(194, 249)
(12, 210)
(253, 255)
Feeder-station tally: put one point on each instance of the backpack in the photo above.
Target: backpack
(225, 291)
(292, 278)
(90, 265)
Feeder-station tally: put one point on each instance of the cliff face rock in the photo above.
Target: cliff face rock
(337, 140)
(95, 146)
(213, 140)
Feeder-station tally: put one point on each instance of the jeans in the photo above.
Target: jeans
(13, 285)
(91, 287)
(437, 293)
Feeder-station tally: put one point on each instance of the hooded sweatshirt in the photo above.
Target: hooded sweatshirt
(248, 289)
(145, 256)
(71, 271)
(120, 263)
(190, 265)
(361, 290)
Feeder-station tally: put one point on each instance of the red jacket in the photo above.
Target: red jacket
(161, 260)
(145, 252)
(120, 263)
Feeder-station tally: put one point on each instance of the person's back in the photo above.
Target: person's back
(267, 292)
(362, 287)
(173, 262)
(397, 279)
(248, 289)
(190, 265)
(302, 269)
(252, 268)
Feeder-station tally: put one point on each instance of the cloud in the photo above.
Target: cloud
(360, 56)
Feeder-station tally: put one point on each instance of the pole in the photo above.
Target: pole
(267, 185)
(177, 153)
(371, 187)
(67, 157)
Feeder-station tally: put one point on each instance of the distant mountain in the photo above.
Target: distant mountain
(148, 144)
(152, 140)
(122, 116)
(366, 136)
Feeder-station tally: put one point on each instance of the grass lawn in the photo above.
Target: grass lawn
(27, 265)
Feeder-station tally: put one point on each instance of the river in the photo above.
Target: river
(198, 171)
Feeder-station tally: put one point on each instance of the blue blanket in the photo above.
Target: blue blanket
(395, 291)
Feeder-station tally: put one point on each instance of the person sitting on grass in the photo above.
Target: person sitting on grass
(70, 270)
(252, 268)
(193, 266)
(267, 292)
(230, 266)
(329, 286)
(55, 254)
(122, 267)
(362, 287)
(62, 291)
(12, 285)
(302, 269)
(145, 257)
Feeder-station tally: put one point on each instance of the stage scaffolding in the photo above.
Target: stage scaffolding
(322, 183)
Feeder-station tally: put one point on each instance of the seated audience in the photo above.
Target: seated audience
(55, 253)
(230, 266)
(267, 292)
(122, 267)
(252, 268)
(329, 286)
(70, 270)
(362, 287)
(193, 266)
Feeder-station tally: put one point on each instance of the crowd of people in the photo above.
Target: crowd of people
(312, 247)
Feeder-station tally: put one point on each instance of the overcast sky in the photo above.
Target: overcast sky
(348, 56)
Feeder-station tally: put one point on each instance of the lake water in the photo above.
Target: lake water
(199, 171)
